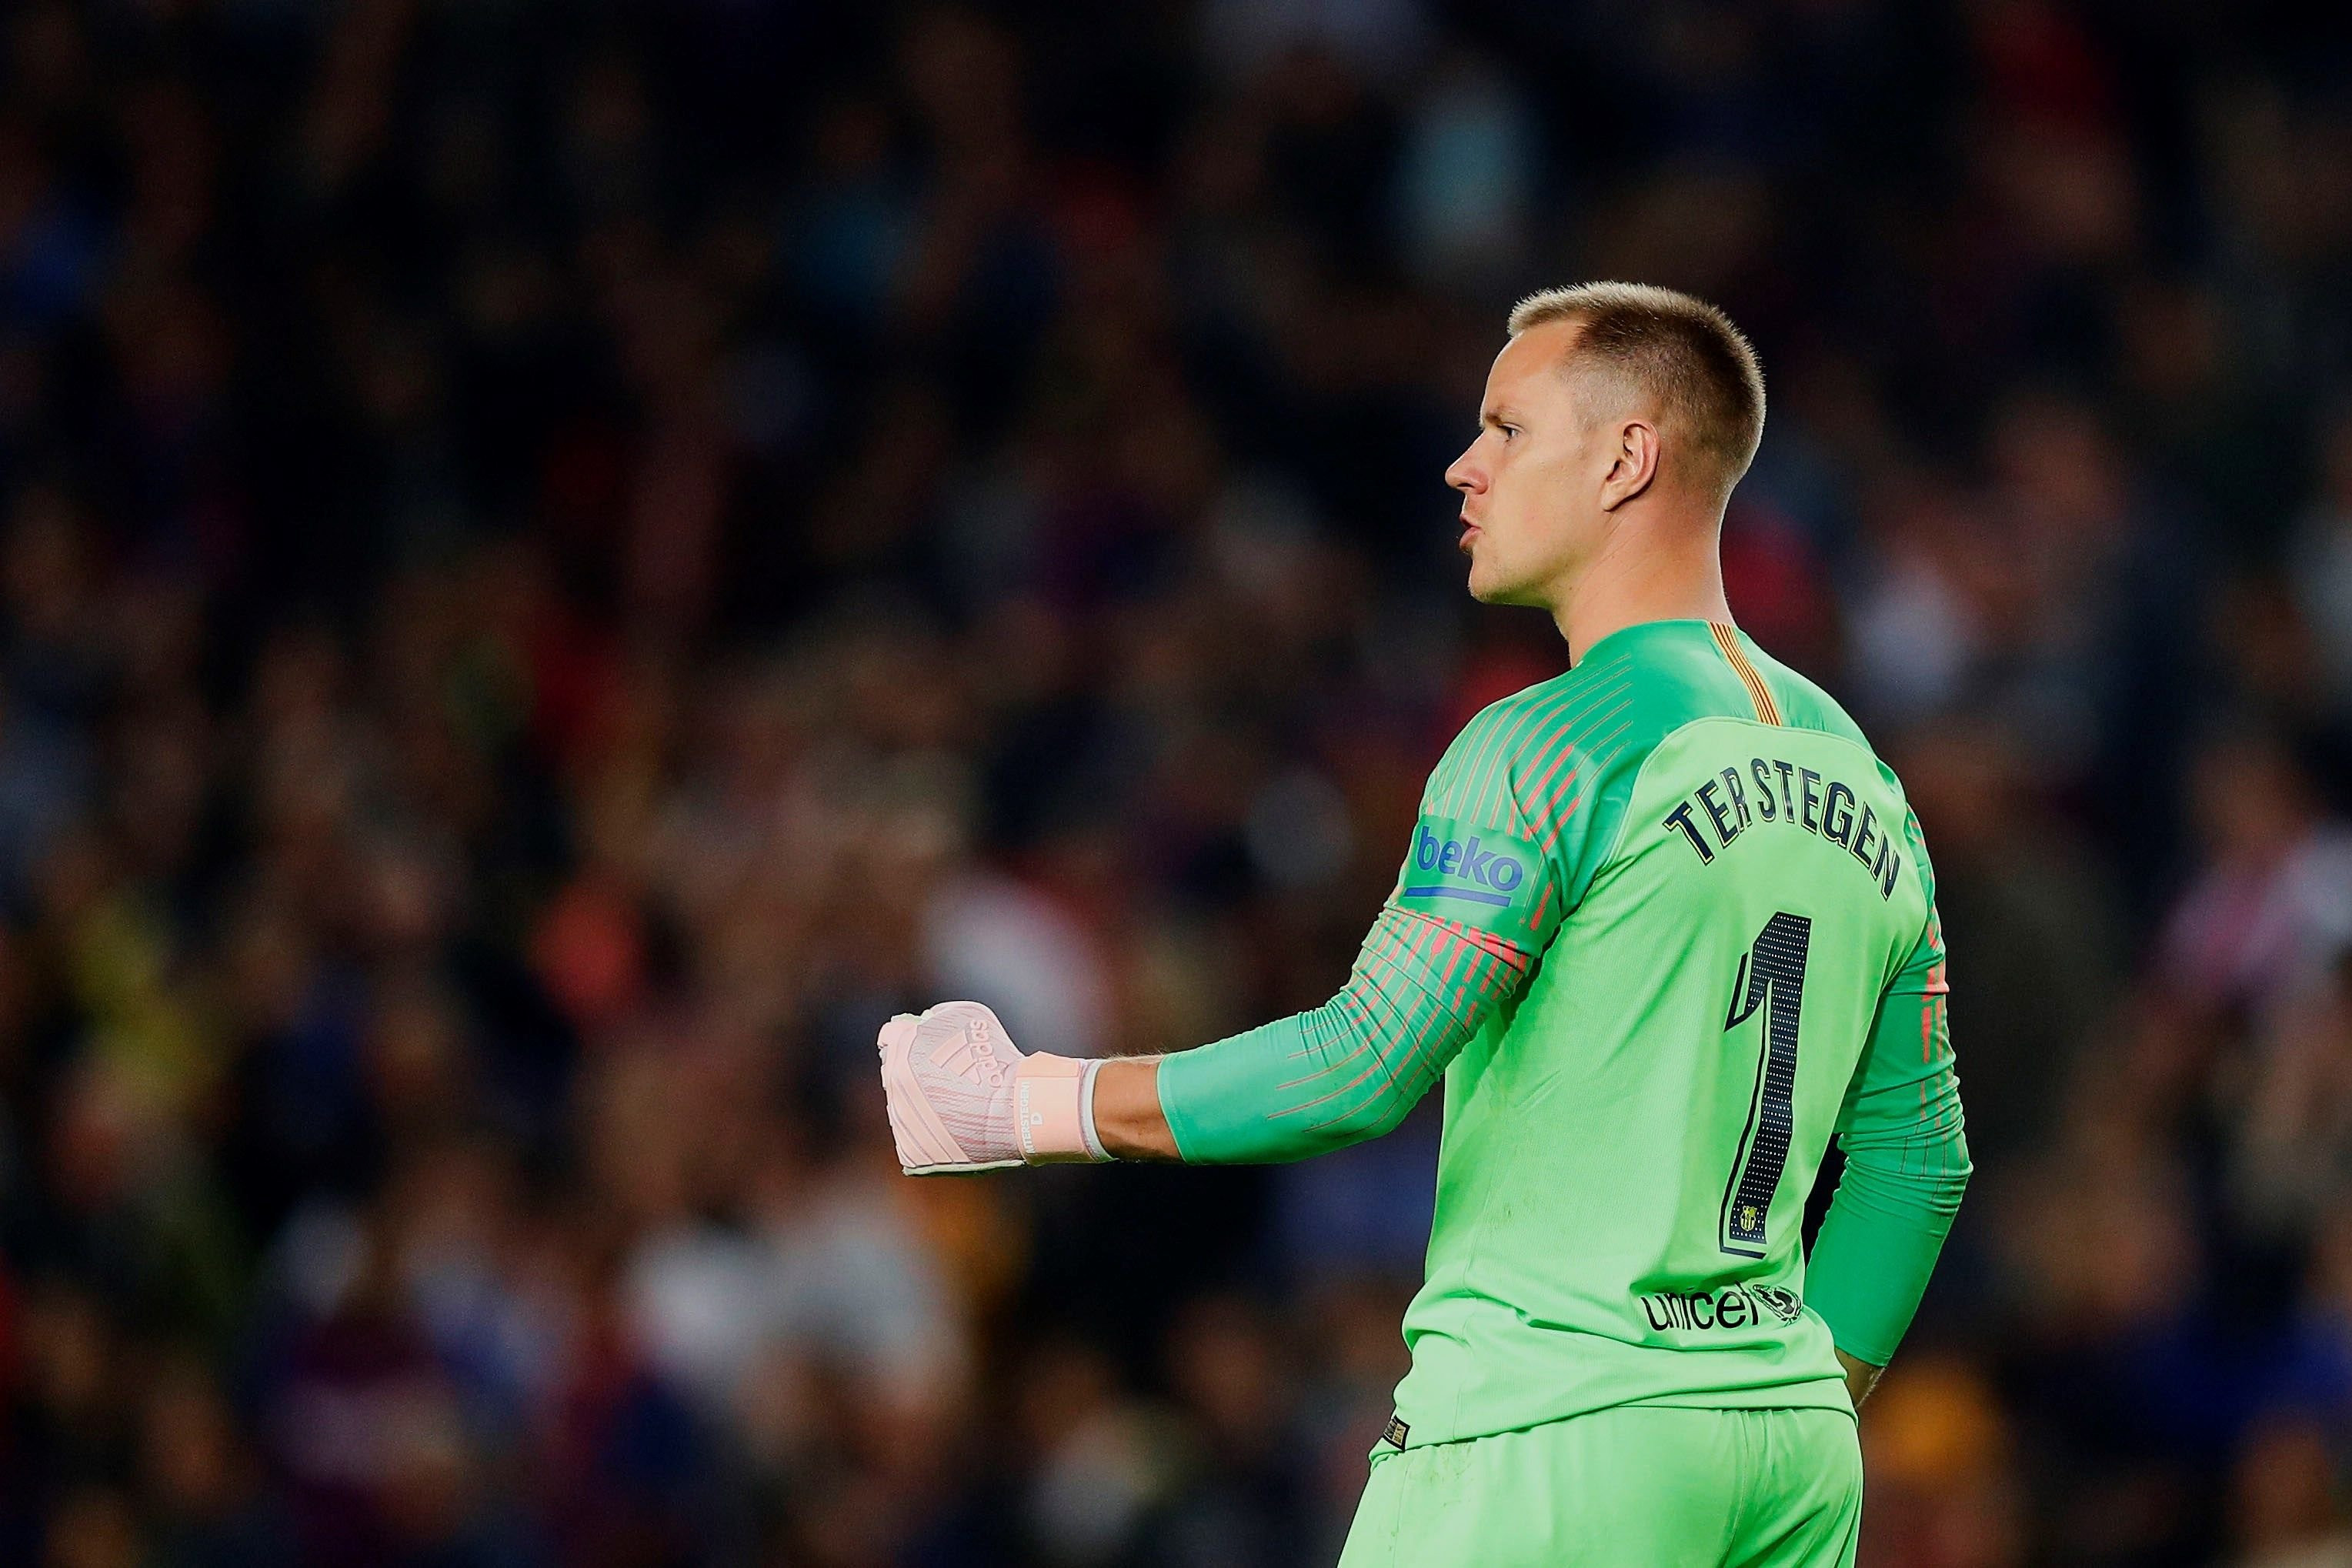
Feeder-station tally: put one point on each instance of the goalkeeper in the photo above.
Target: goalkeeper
(1666, 926)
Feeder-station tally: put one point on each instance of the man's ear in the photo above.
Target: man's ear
(1633, 465)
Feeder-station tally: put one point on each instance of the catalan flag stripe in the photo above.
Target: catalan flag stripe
(1758, 692)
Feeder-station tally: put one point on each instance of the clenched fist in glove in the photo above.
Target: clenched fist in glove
(963, 1097)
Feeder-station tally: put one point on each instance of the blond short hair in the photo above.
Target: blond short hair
(1680, 350)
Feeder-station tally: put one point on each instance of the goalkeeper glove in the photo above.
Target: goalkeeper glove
(963, 1097)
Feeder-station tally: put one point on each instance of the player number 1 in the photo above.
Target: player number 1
(1771, 976)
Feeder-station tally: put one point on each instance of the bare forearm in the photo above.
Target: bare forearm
(1128, 1117)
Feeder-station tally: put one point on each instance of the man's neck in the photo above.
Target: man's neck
(1626, 588)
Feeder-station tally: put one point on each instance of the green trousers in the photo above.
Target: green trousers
(1636, 1487)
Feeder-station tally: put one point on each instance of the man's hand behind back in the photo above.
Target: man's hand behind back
(1860, 1377)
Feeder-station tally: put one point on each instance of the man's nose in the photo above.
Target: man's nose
(1463, 476)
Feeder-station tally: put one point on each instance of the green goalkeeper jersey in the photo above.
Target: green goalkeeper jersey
(1666, 926)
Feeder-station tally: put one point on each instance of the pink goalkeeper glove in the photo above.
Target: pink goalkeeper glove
(962, 1097)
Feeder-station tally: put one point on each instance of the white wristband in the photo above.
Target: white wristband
(1094, 1149)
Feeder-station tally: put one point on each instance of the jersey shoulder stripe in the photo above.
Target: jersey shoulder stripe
(1726, 638)
(1517, 753)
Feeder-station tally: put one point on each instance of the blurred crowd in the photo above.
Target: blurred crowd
(559, 561)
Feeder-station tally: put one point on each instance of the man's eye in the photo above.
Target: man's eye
(1508, 431)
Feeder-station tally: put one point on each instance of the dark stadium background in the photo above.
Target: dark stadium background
(559, 561)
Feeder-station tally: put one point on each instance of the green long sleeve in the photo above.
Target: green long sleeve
(1907, 1166)
(1351, 1069)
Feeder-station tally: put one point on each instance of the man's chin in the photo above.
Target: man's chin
(1492, 593)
